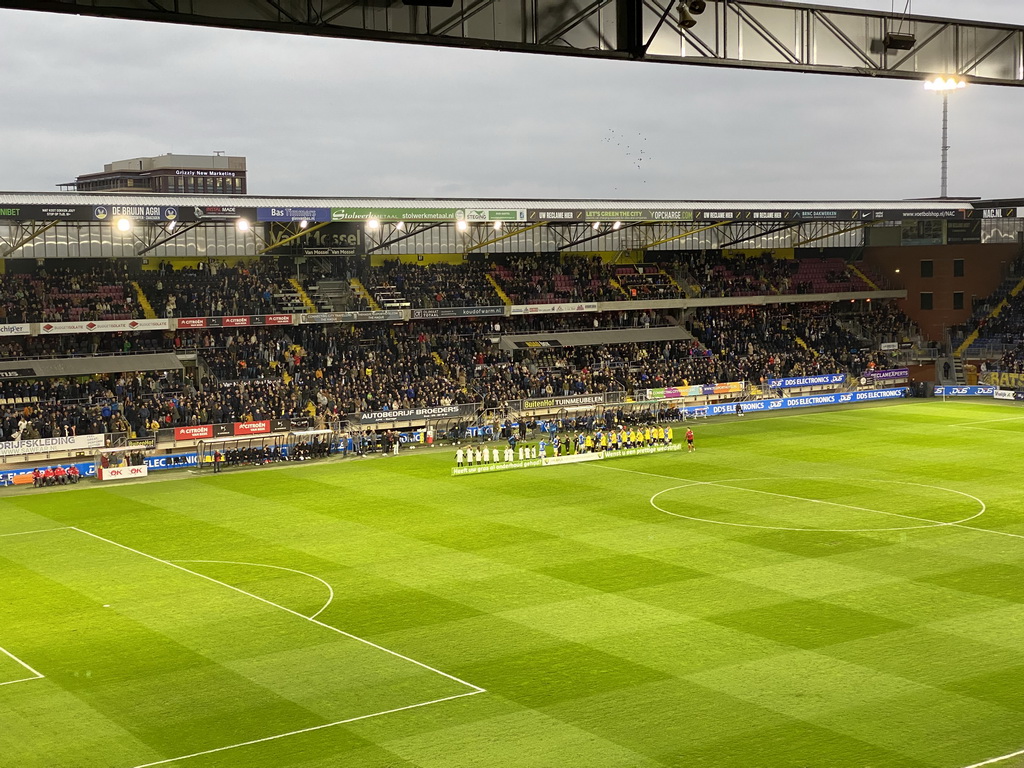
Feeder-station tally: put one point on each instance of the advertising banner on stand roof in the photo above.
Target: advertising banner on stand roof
(327, 239)
(491, 214)
(135, 212)
(293, 214)
(563, 214)
(394, 214)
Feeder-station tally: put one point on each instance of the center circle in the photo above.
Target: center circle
(722, 484)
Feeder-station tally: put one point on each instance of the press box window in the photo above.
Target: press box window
(926, 301)
(927, 268)
(958, 300)
(958, 267)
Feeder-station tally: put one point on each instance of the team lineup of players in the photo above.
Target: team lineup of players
(584, 442)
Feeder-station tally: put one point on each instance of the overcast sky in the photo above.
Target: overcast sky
(347, 118)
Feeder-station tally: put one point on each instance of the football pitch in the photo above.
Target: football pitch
(828, 588)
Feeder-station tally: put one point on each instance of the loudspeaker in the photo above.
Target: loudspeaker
(697, 7)
(899, 41)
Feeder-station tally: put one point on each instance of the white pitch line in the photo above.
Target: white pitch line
(330, 589)
(41, 530)
(309, 730)
(476, 688)
(937, 523)
(987, 421)
(994, 760)
(37, 674)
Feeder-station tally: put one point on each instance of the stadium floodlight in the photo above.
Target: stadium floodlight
(242, 225)
(462, 225)
(124, 225)
(400, 226)
(940, 83)
(303, 224)
(171, 225)
(497, 226)
(943, 85)
(596, 225)
(373, 223)
(617, 225)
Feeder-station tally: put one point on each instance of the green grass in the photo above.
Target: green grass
(779, 599)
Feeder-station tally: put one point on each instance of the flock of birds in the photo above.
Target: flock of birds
(632, 147)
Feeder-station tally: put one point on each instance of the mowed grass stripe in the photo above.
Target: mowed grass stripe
(611, 634)
(202, 665)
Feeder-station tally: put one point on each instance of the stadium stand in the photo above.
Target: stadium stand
(217, 290)
(318, 370)
(398, 286)
(52, 294)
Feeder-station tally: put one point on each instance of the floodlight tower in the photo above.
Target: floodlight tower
(944, 85)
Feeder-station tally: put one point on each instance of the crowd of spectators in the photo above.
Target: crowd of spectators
(756, 343)
(433, 285)
(324, 372)
(31, 409)
(885, 322)
(52, 294)
(214, 290)
(550, 279)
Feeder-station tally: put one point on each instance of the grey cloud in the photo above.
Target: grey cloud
(340, 117)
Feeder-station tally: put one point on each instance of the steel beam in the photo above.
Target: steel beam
(752, 34)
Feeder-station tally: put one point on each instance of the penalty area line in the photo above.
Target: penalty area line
(40, 530)
(363, 640)
(36, 674)
(308, 730)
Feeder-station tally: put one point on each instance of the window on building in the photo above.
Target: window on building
(927, 268)
(958, 267)
(926, 301)
(958, 300)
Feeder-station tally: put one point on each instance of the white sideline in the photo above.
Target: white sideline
(36, 674)
(994, 760)
(475, 688)
(308, 730)
(330, 589)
